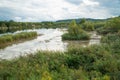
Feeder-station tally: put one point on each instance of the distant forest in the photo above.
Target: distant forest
(12, 26)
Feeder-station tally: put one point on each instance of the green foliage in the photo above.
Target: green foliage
(111, 26)
(97, 62)
(46, 76)
(12, 26)
(73, 29)
(9, 39)
(88, 26)
(113, 40)
(82, 21)
(75, 33)
(98, 25)
(82, 36)
(3, 28)
(73, 61)
(91, 63)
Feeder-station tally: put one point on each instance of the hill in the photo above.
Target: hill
(78, 20)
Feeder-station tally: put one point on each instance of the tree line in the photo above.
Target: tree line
(12, 26)
(102, 26)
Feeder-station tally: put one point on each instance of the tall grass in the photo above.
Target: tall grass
(82, 36)
(75, 33)
(113, 40)
(96, 62)
(9, 39)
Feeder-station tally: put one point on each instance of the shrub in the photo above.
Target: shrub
(88, 26)
(75, 33)
(111, 26)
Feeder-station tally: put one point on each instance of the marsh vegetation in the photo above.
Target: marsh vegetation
(8, 39)
(75, 33)
(94, 62)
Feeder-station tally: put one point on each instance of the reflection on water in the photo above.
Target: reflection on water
(49, 40)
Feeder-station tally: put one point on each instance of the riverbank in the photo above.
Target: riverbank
(9, 39)
(76, 63)
(84, 63)
(94, 40)
(50, 41)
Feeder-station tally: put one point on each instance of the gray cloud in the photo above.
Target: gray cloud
(6, 13)
(76, 2)
(109, 3)
(44, 10)
(113, 6)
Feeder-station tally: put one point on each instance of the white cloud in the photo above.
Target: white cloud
(41, 10)
(90, 3)
(18, 18)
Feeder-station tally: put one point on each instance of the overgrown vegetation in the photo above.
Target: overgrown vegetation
(86, 24)
(12, 26)
(97, 62)
(8, 39)
(111, 26)
(75, 33)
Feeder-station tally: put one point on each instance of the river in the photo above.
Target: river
(48, 39)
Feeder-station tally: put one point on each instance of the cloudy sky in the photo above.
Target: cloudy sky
(51, 10)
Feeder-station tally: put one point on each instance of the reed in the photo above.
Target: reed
(6, 40)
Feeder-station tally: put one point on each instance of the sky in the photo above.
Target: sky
(52, 10)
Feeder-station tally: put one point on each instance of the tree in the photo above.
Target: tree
(89, 26)
(3, 28)
(82, 21)
(113, 25)
(11, 21)
(73, 28)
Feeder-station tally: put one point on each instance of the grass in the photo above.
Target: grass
(82, 36)
(113, 40)
(75, 33)
(98, 62)
(6, 40)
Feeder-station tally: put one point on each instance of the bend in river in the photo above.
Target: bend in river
(49, 40)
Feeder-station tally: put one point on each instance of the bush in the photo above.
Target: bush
(88, 26)
(75, 33)
(97, 62)
(111, 26)
(94, 62)
(78, 37)
(113, 40)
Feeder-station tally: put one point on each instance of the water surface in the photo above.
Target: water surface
(48, 39)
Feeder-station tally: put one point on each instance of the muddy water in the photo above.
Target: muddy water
(49, 40)
(94, 39)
